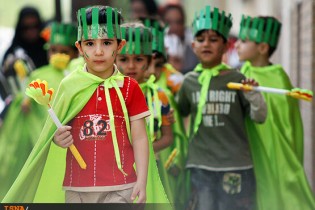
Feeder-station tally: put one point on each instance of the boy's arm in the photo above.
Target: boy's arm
(258, 108)
(141, 154)
(166, 138)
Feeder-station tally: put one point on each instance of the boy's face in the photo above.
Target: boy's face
(134, 66)
(247, 50)
(209, 47)
(99, 55)
(155, 67)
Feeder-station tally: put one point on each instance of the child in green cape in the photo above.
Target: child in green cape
(26, 117)
(172, 169)
(134, 61)
(277, 144)
(102, 119)
(219, 158)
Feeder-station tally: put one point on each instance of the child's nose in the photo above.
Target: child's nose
(131, 64)
(99, 50)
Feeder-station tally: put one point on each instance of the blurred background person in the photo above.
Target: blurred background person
(143, 8)
(231, 57)
(178, 38)
(27, 46)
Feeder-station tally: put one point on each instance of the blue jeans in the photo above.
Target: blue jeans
(223, 190)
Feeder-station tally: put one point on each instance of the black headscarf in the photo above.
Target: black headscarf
(34, 50)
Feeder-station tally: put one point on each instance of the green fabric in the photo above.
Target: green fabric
(20, 131)
(212, 20)
(150, 90)
(95, 30)
(260, 30)
(277, 146)
(177, 185)
(138, 40)
(41, 177)
(63, 34)
(204, 79)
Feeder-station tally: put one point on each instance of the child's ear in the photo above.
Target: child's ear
(263, 48)
(121, 45)
(193, 46)
(78, 46)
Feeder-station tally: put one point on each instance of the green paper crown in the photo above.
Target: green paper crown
(93, 29)
(260, 30)
(214, 20)
(138, 40)
(158, 34)
(64, 34)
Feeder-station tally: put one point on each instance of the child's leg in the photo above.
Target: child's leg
(204, 189)
(237, 190)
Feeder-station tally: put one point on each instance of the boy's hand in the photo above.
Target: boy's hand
(170, 116)
(63, 137)
(249, 81)
(139, 190)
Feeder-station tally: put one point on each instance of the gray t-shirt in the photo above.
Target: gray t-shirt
(221, 142)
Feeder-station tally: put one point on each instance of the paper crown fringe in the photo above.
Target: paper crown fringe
(138, 40)
(62, 33)
(258, 30)
(214, 20)
(96, 30)
(157, 33)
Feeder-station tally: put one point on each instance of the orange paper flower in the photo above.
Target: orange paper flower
(38, 90)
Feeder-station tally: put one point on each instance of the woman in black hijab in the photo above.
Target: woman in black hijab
(28, 47)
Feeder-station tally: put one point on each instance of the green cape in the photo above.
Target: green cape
(277, 146)
(41, 177)
(20, 131)
(176, 186)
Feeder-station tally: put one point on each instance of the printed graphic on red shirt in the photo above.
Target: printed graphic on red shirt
(94, 128)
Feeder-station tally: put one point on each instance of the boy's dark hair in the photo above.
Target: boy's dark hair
(202, 31)
(272, 49)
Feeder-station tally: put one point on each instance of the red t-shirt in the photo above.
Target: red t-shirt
(92, 136)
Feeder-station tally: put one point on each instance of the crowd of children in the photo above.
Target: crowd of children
(148, 133)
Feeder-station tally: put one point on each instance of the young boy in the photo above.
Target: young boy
(26, 117)
(134, 61)
(105, 115)
(219, 158)
(277, 145)
(170, 81)
(167, 77)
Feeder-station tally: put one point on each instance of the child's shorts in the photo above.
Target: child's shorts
(121, 196)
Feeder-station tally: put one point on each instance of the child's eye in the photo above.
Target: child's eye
(122, 59)
(214, 39)
(88, 43)
(139, 59)
(107, 42)
(200, 39)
